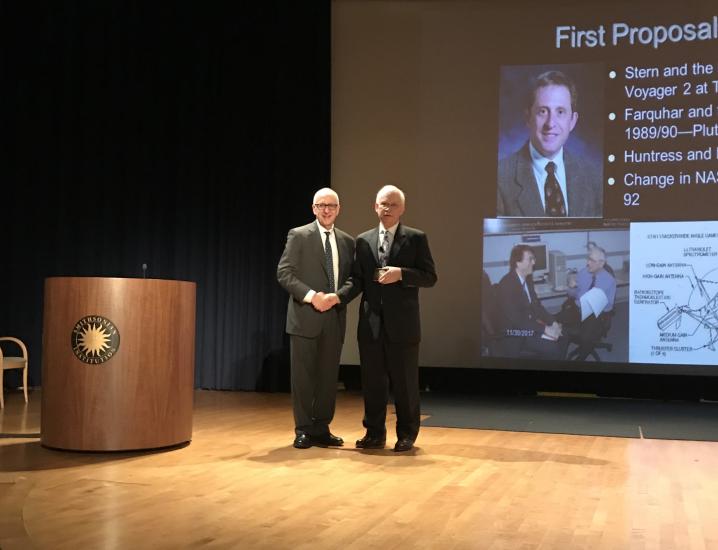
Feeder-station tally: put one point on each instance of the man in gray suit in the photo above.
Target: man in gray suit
(314, 269)
(542, 178)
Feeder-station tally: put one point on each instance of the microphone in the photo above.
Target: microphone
(144, 271)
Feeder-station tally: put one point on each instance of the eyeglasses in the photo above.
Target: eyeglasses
(325, 206)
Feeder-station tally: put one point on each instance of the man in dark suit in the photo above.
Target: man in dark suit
(392, 262)
(542, 178)
(315, 268)
(522, 320)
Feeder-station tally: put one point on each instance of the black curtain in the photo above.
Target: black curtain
(187, 136)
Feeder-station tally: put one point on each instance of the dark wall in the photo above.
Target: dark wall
(188, 136)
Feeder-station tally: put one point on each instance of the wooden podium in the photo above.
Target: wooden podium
(117, 363)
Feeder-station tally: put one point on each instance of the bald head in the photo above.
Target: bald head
(390, 189)
(325, 206)
(389, 205)
(596, 259)
(325, 192)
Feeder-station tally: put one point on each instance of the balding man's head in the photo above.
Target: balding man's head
(596, 259)
(389, 205)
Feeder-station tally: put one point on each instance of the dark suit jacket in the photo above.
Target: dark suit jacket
(397, 303)
(302, 268)
(516, 316)
(518, 195)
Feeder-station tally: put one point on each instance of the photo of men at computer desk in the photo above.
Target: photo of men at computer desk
(558, 294)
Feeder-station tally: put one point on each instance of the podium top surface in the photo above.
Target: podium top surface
(91, 278)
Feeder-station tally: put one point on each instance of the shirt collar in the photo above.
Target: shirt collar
(324, 229)
(391, 229)
(541, 161)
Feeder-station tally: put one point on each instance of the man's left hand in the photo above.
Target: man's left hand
(390, 275)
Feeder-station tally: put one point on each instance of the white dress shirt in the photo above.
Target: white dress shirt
(335, 257)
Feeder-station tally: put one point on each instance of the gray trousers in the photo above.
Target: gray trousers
(314, 368)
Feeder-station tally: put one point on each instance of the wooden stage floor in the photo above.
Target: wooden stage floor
(240, 484)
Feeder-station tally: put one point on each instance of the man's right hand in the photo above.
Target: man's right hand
(323, 302)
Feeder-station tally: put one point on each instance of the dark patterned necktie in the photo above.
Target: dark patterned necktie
(384, 250)
(329, 259)
(555, 205)
(593, 281)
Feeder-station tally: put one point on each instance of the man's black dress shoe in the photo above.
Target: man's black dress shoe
(368, 442)
(327, 440)
(302, 441)
(403, 445)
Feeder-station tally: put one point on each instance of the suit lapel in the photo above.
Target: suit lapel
(531, 289)
(528, 198)
(316, 237)
(374, 243)
(521, 290)
(399, 240)
(573, 183)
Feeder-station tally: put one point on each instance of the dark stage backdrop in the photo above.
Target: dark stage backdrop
(188, 136)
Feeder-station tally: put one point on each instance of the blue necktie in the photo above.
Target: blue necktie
(329, 259)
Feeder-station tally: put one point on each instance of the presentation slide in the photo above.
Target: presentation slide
(565, 171)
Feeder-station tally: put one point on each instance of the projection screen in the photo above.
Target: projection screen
(457, 103)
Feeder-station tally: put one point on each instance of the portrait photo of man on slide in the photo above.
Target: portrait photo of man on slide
(542, 177)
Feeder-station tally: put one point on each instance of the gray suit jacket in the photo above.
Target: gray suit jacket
(302, 268)
(518, 195)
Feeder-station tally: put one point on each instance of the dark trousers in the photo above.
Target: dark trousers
(587, 332)
(382, 363)
(590, 331)
(545, 349)
(314, 368)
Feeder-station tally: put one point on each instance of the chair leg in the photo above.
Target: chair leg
(24, 382)
(2, 390)
(573, 354)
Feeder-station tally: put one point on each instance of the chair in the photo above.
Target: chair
(605, 319)
(13, 362)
